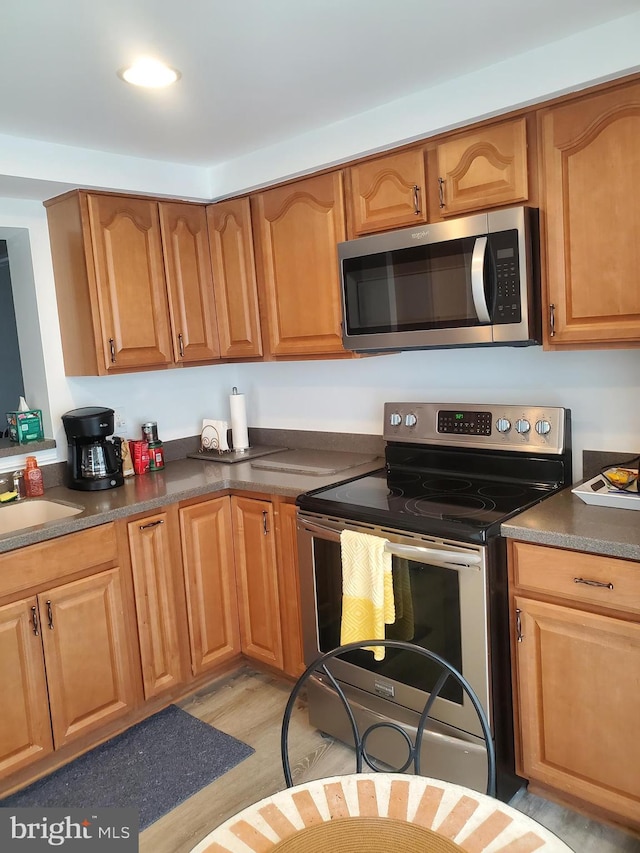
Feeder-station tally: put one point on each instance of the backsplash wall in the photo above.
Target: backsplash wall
(602, 389)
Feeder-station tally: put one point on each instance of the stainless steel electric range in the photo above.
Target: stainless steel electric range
(453, 474)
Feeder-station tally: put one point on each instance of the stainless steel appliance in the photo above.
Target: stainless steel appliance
(453, 473)
(471, 281)
(94, 461)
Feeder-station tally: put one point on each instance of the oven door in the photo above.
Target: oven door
(441, 603)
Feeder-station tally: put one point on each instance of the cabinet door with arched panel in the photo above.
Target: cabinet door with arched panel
(485, 167)
(387, 192)
(590, 160)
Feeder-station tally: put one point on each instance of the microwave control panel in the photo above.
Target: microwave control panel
(504, 251)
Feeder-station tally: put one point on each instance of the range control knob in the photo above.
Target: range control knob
(410, 420)
(543, 427)
(395, 419)
(503, 424)
(523, 426)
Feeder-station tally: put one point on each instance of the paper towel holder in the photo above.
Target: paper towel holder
(239, 431)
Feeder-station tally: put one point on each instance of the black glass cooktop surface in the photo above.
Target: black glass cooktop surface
(437, 504)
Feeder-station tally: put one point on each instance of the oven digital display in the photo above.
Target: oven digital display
(464, 423)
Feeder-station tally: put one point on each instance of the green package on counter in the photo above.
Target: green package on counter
(25, 427)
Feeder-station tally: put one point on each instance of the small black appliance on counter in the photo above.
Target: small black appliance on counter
(94, 461)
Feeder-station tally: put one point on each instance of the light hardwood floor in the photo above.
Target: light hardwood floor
(249, 706)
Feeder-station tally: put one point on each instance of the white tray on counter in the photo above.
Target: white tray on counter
(604, 495)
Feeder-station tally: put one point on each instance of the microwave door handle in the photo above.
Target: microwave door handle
(478, 293)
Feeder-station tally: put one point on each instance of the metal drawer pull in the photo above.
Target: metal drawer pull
(519, 636)
(265, 526)
(34, 619)
(416, 199)
(112, 349)
(441, 191)
(593, 583)
(50, 615)
(181, 345)
(151, 524)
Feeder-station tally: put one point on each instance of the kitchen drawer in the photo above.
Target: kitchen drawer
(553, 571)
(48, 562)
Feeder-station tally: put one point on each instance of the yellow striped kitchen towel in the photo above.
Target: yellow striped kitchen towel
(367, 589)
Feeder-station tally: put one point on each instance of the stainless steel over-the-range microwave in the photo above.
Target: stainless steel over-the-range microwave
(470, 281)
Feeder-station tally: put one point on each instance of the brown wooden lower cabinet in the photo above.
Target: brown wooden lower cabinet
(257, 579)
(289, 587)
(25, 733)
(202, 582)
(209, 573)
(85, 650)
(77, 630)
(160, 601)
(577, 676)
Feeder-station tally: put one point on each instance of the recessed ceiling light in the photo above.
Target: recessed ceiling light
(150, 73)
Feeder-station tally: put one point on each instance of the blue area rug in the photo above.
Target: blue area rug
(153, 767)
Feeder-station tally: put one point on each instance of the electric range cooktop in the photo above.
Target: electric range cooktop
(455, 471)
(425, 504)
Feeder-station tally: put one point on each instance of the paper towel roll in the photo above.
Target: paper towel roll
(239, 432)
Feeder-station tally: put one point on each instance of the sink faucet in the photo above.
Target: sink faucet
(18, 484)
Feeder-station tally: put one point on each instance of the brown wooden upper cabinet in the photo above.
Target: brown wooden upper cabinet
(234, 278)
(297, 228)
(387, 192)
(590, 162)
(133, 282)
(485, 167)
(192, 309)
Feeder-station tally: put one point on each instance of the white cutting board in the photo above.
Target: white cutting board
(604, 495)
(317, 462)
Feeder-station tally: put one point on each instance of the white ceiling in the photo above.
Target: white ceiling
(254, 72)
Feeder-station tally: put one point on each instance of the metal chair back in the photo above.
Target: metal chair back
(447, 671)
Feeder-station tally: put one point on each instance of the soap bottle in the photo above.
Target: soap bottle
(33, 483)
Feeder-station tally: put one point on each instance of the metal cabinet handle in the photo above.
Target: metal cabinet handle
(181, 344)
(34, 620)
(416, 199)
(265, 526)
(593, 583)
(112, 347)
(441, 191)
(519, 636)
(151, 524)
(50, 614)
(552, 320)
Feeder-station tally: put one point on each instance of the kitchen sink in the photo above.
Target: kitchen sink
(33, 511)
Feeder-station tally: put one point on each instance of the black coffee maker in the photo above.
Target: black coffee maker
(94, 461)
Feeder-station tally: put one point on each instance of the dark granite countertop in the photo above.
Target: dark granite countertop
(565, 521)
(180, 480)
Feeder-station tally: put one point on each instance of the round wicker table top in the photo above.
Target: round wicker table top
(378, 813)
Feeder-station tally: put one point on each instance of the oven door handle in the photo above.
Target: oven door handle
(324, 532)
(447, 559)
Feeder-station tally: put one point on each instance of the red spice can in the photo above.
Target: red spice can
(156, 456)
(140, 456)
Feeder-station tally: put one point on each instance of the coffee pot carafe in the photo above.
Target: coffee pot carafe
(94, 460)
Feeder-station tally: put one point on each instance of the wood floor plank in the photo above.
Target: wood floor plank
(249, 705)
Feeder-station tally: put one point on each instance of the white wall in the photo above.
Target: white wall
(602, 388)
(589, 57)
